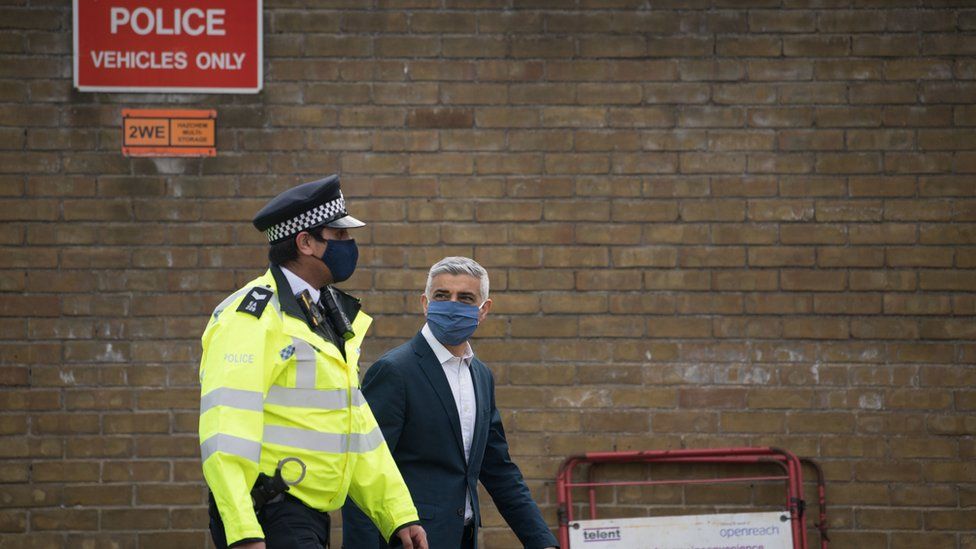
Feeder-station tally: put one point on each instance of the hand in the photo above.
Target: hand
(413, 537)
(252, 545)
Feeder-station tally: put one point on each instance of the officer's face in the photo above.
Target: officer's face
(312, 249)
(462, 288)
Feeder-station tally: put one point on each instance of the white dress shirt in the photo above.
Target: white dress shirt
(458, 372)
(298, 284)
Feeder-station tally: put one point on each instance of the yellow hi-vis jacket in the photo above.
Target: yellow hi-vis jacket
(273, 388)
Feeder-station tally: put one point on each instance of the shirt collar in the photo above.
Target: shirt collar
(441, 352)
(298, 285)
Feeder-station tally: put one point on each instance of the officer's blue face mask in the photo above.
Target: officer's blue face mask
(340, 257)
(452, 322)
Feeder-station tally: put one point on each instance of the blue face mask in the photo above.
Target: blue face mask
(340, 257)
(452, 322)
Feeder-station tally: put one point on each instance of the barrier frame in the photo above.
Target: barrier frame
(789, 462)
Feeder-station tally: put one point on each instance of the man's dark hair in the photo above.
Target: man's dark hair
(287, 250)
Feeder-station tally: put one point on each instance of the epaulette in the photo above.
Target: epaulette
(255, 301)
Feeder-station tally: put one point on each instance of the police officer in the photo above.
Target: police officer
(280, 400)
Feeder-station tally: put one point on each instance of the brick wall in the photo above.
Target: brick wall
(707, 222)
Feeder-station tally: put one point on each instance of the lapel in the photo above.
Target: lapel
(432, 369)
(482, 406)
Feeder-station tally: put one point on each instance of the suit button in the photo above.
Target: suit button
(460, 511)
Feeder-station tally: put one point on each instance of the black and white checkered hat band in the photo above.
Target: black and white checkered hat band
(318, 215)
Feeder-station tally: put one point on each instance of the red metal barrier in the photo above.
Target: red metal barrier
(791, 464)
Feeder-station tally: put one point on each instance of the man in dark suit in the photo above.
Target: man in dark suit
(435, 403)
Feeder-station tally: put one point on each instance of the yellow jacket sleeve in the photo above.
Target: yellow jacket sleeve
(235, 372)
(377, 486)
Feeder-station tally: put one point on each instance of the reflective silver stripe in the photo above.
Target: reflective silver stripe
(307, 440)
(235, 398)
(357, 397)
(367, 442)
(323, 442)
(307, 398)
(223, 304)
(229, 444)
(305, 367)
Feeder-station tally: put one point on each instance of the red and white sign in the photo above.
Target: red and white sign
(193, 46)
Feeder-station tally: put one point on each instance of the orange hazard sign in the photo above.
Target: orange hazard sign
(169, 132)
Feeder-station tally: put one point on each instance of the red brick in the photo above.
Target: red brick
(712, 257)
(917, 116)
(605, 280)
(692, 117)
(812, 234)
(749, 46)
(781, 257)
(919, 257)
(676, 93)
(850, 257)
(679, 327)
(573, 303)
(677, 279)
(781, 210)
(648, 117)
(736, 234)
(749, 280)
(739, 94)
(805, 140)
(816, 328)
(946, 329)
(711, 163)
(27, 496)
(945, 186)
(918, 210)
(852, 210)
(782, 21)
(881, 45)
(714, 210)
(883, 280)
(812, 280)
(726, 70)
(552, 140)
(172, 539)
(918, 163)
(848, 117)
(440, 118)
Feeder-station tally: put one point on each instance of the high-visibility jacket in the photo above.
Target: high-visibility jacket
(273, 388)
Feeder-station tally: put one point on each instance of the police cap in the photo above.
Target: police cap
(300, 208)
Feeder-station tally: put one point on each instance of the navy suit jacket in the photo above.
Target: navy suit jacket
(413, 404)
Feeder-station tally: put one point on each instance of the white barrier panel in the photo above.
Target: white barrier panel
(768, 530)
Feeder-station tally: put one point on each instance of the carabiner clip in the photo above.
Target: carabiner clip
(281, 465)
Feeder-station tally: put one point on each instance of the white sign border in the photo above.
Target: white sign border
(678, 535)
(167, 89)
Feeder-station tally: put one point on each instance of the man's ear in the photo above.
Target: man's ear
(303, 241)
(424, 303)
(483, 312)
